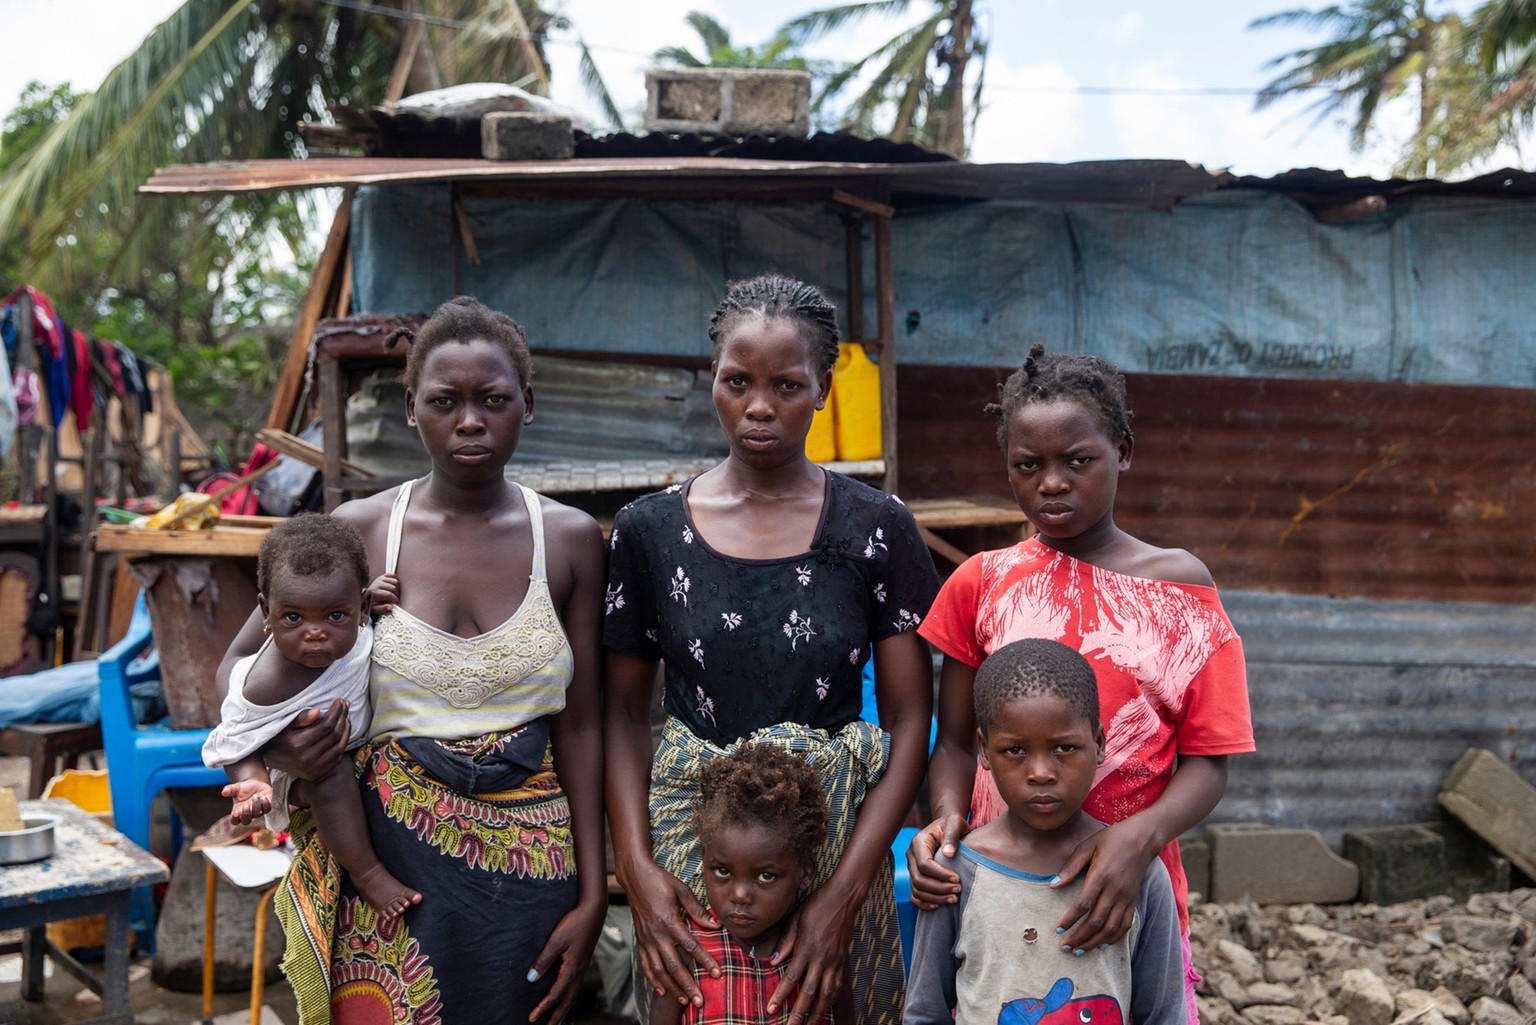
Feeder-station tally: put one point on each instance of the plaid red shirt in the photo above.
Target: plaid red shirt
(740, 995)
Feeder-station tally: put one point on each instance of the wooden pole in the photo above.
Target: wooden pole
(286, 398)
(885, 330)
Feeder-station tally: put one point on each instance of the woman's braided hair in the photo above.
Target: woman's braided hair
(763, 785)
(463, 319)
(1045, 376)
(774, 295)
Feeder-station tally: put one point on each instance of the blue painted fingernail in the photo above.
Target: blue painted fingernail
(533, 975)
(1103, 946)
(1060, 930)
(1077, 953)
(1055, 880)
(1066, 946)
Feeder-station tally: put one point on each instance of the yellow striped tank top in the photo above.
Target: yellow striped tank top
(427, 682)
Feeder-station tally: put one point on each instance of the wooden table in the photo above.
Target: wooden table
(93, 869)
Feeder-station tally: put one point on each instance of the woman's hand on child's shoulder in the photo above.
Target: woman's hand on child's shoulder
(932, 883)
(1114, 858)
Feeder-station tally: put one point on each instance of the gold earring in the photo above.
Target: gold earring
(266, 629)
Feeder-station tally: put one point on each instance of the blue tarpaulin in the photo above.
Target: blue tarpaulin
(1233, 282)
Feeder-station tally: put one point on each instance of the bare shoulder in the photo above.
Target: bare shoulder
(369, 515)
(1174, 565)
(570, 527)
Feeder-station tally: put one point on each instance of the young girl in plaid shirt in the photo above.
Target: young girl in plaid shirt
(760, 817)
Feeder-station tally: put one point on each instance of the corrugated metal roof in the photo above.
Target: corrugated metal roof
(1152, 184)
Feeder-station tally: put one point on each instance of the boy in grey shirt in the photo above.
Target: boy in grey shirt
(994, 957)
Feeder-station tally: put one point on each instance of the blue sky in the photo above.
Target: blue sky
(1050, 63)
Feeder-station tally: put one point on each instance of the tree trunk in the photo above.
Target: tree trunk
(954, 53)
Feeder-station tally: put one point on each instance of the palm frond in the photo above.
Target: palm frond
(813, 25)
(592, 81)
(711, 32)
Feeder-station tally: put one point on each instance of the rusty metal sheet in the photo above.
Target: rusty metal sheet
(1149, 184)
(1311, 487)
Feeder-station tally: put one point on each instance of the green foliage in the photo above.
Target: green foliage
(720, 52)
(1465, 79)
(899, 89)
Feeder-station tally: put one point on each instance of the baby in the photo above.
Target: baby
(312, 578)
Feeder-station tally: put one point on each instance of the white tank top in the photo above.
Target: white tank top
(427, 682)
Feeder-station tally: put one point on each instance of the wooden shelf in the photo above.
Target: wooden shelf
(221, 540)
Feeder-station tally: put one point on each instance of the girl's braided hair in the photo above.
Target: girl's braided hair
(463, 319)
(774, 295)
(1092, 380)
(759, 784)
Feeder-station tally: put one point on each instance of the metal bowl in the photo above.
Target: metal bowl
(31, 844)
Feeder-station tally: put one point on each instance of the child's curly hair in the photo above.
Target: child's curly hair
(759, 784)
(1092, 380)
(307, 544)
(462, 319)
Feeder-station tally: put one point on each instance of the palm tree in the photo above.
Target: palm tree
(1505, 31)
(1380, 50)
(904, 72)
(720, 52)
(231, 80)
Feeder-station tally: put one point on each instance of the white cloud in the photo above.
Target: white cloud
(1029, 113)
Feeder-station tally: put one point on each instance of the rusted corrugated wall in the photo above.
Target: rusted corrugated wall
(1357, 488)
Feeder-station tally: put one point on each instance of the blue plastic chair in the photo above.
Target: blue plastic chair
(144, 760)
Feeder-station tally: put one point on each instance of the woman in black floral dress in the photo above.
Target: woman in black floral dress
(764, 585)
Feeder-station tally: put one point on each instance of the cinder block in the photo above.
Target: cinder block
(1398, 863)
(1495, 803)
(1195, 853)
(526, 136)
(728, 101)
(1277, 866)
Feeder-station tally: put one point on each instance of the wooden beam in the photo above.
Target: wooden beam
(868, 206)
(939, 546)
(885, 329)
(134, 541)
(285, 399)
(304, 452)
(333, 421)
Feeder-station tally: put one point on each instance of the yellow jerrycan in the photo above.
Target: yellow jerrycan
(821, 442)
(856, 386)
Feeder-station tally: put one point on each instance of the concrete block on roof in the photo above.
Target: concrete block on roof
(728, 101)
(1277, 866)
(526, 136)
(1495, 803)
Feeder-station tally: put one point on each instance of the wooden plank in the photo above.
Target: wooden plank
(289, 383)
(939, 546)
(868, 206)
(133, 541)
(304, 452)
(333, 421)
(964, 511)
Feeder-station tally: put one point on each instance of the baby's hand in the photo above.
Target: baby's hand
(383, 593)
(252, 798)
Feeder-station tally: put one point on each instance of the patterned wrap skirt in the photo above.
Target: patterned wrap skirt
(481, 828)
(849, 763)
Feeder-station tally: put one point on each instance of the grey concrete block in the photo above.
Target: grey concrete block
(1399, 863)
(526, 136)
(1195, 853)
(1277, 866)
(1495, 803)
(728, 101)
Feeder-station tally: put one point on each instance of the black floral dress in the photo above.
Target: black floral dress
(749, 643)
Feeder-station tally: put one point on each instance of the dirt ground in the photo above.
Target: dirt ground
(1429, 962)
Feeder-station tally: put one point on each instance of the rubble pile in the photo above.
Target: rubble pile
(1424, 962)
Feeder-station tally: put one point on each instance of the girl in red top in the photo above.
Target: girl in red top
(1170, 668)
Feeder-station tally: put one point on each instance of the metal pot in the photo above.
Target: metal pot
(30, 844)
